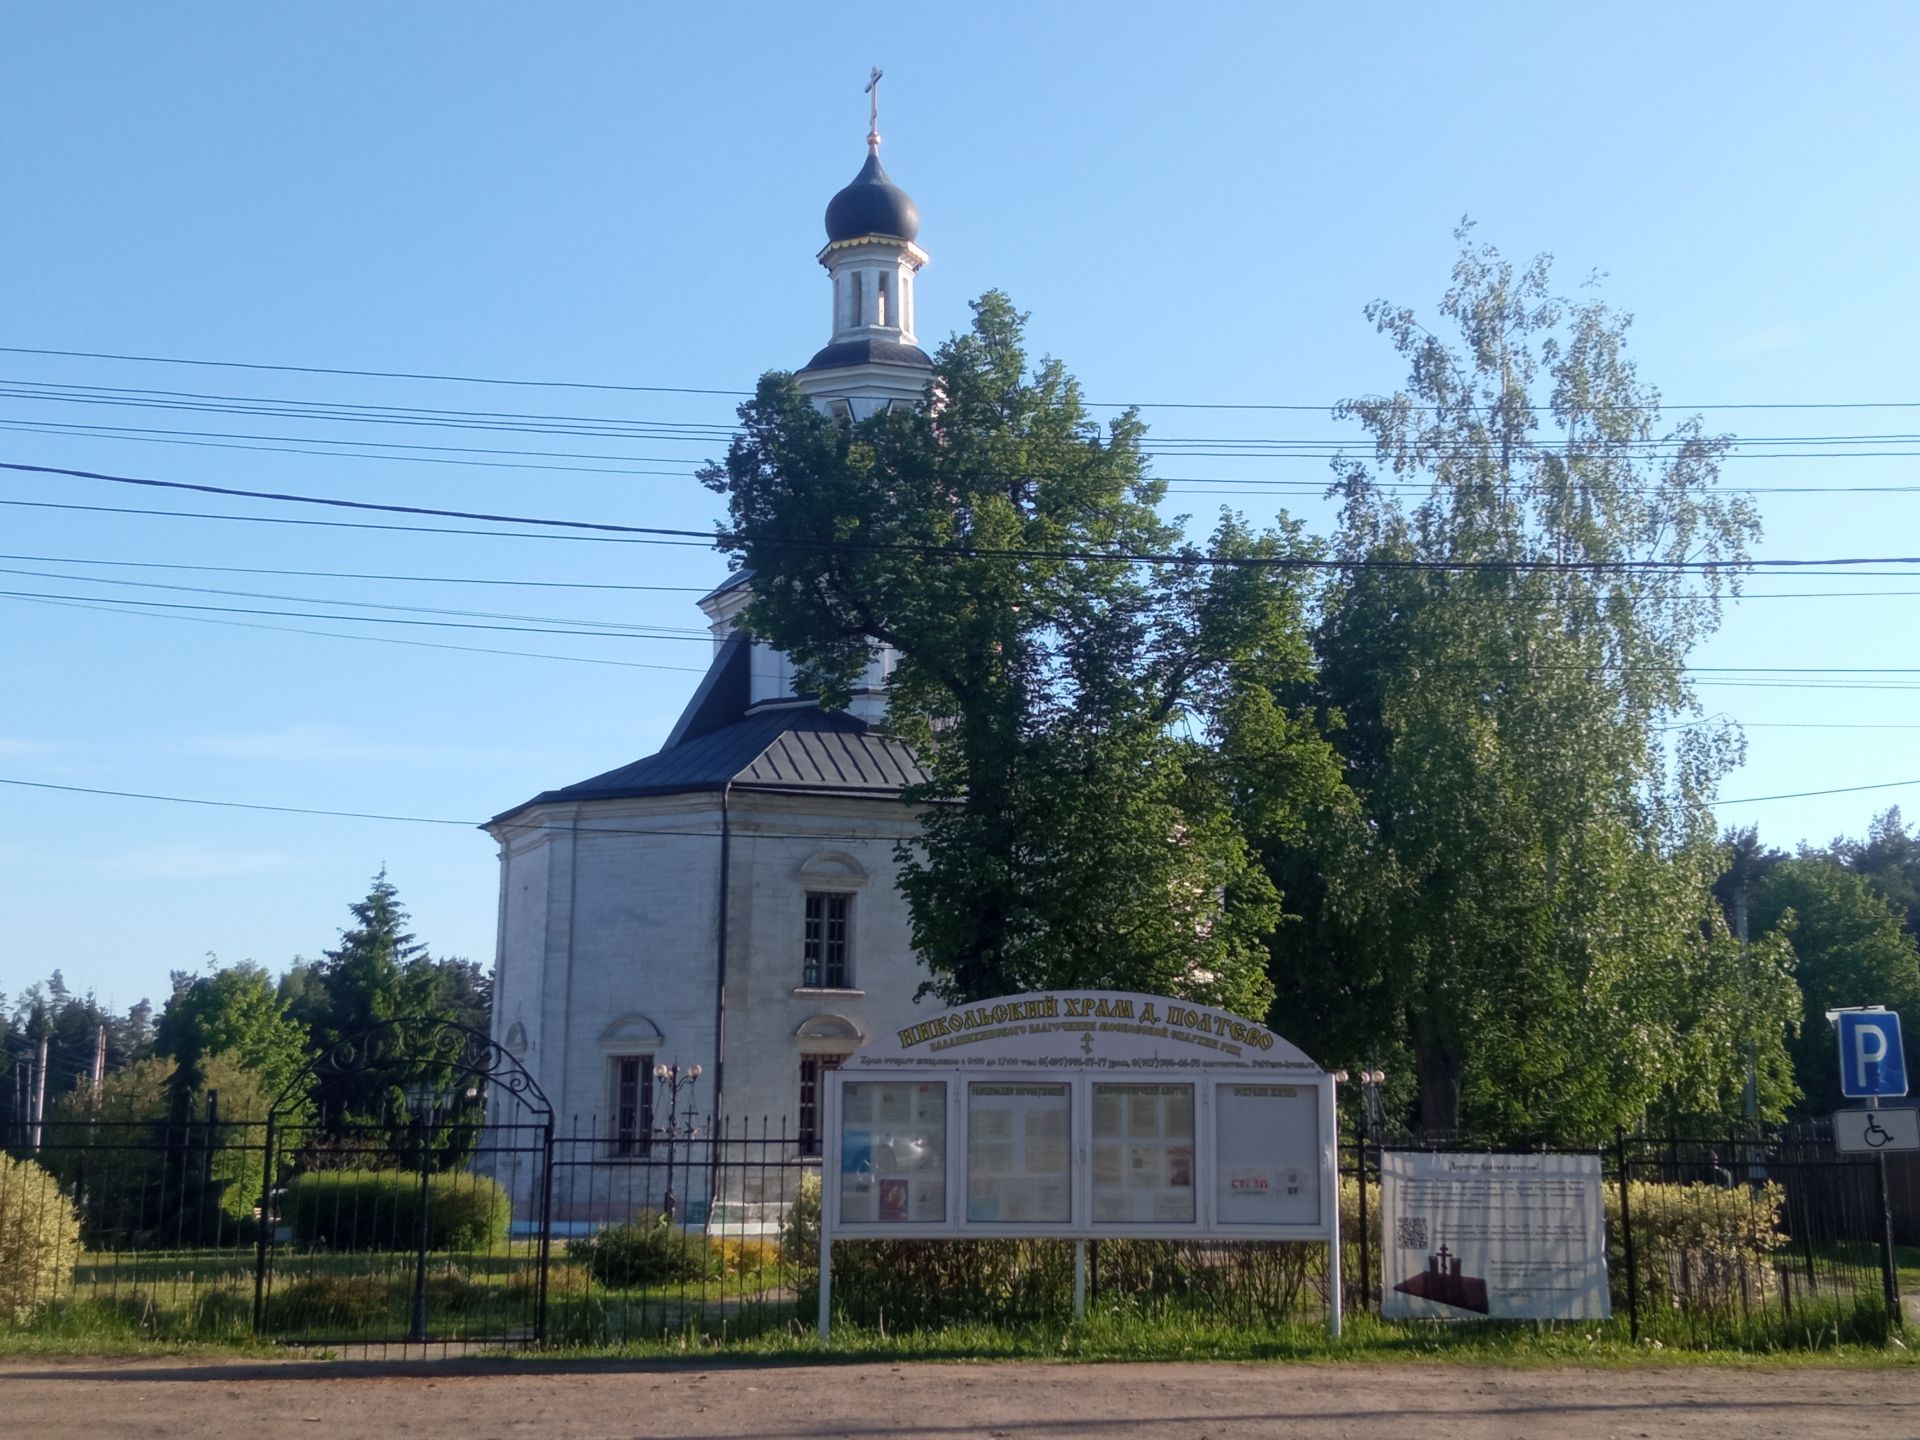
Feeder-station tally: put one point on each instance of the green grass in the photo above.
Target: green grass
(163, 1302)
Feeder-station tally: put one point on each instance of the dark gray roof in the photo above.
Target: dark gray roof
(872, 205)
(867, 351)
(718, 743)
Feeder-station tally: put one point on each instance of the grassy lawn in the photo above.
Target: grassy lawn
(165, 1296)
(163, 1301)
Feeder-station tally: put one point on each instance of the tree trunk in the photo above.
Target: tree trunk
(1437, 1063)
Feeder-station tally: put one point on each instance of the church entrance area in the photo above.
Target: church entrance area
(388, 1213)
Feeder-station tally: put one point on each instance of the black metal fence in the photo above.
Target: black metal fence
(471, 1234)
(1712, 1242)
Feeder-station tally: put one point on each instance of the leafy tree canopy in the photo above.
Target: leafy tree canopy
(1850, 949)
(1521, 906)
(1061, 690)
(234, 1010)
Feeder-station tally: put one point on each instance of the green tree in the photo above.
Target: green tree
(1889, 859)
(235, 1010)
(1064, 695)
(1850, 950)
(379, 972)
(1522, 905)
(139, 1153)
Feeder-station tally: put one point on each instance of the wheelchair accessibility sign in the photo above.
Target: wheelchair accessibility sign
(1873, 1132)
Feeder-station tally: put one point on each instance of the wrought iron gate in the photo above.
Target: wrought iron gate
(406, 1195)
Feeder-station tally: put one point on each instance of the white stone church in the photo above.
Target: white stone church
(729, 901)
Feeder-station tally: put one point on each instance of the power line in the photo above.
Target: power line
(643, 630)
(371, 374)
(437, 820)
(344, 524)
(355, 619)
(1808, 794)
(419, 579)
(689, 390)
(108, 607)
(979, 552)
(705, 433)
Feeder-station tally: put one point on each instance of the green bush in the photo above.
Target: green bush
(380, 1210)
(649, 1250)
(1697, 1247)
(39, 1239)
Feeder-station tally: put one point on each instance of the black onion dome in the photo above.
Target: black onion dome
(872, 205)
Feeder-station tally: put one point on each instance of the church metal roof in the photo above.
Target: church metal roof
(719, 742)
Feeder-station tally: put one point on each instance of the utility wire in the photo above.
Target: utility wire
(975, 552)
(686, 390)
(110, 608)
(417, 579)
(564, 829)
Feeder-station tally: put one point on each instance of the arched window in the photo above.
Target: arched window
(880, 301)
(853, 317)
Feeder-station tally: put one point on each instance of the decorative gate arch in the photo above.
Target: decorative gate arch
(407, 1194)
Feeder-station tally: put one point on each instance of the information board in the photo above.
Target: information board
(1143, 1155)
(1078, 1114)
(893, 1152)
(1019, 1153)
(1500, 1237)
(1267, 1161)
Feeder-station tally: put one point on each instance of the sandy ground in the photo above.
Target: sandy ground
(479, 1400)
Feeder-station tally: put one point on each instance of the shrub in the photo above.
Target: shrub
(649, 1250)
(39, 1239)
(746, 1255)
(1697, 1246)
(380, 1210)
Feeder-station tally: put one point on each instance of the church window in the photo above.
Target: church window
(853, 284)
(813, 1097)
(880, 303)
(824, 955)
(630, 1083)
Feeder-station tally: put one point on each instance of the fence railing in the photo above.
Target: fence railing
(471, 1235)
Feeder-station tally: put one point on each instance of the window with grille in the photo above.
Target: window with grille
(630, 1078)
(813, 1098)
(825, 962)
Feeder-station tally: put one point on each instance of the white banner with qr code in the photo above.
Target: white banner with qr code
(1494, 1237)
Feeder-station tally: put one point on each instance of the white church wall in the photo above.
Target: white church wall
(767, 999)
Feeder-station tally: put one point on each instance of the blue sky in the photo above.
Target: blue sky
(1194, 206)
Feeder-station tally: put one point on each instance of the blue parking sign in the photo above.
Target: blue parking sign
(1872, 1063)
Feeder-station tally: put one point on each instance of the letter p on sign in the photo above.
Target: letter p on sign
(1871, 1060)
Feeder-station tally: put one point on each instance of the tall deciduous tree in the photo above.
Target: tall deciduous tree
(1078, 826)
(1522, 905)
(1850, 950)
(236, 1011)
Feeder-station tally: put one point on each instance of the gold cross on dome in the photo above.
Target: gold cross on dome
(873, 107)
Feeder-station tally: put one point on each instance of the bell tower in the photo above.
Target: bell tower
(873, 359)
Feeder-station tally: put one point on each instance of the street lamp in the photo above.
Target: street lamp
(675, 1079)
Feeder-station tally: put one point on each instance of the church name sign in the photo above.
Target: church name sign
(1085, 1014)
(1078, 1115)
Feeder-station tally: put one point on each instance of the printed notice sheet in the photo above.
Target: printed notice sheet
(1019, 1153)
(1496, 1237)
(1266, 1154)
(1143, 1154)
(893, 1152)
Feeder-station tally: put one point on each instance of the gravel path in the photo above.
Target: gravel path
(225, 1400)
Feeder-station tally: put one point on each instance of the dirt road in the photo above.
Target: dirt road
(554, 1401)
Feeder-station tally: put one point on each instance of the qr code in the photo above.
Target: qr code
(1410, 1231)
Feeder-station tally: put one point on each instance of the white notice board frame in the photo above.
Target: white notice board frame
(1080, 1039)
